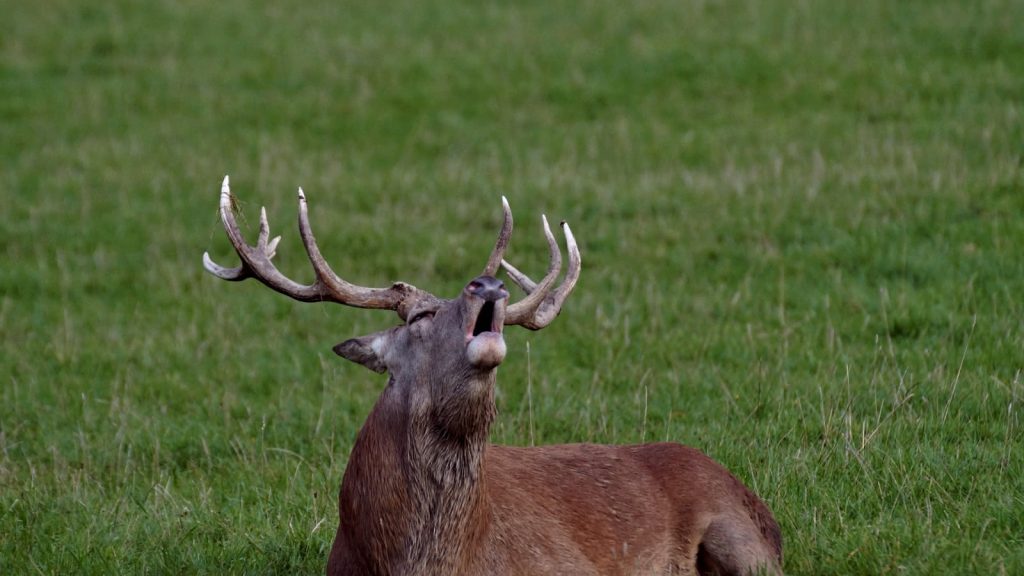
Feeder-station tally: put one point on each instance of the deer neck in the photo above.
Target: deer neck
(417, 487)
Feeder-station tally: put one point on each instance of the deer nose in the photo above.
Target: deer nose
(487, 287)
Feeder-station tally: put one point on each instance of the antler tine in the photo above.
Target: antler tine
(525, 308)
(552, 305)
(397, 297)
(271, 248)
(328, 287)
(521, 280)
(502, 243)
(255, 260)
(230, 274)
(543, 304)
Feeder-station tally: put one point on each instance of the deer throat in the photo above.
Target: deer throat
(452, 507)
(412, 499)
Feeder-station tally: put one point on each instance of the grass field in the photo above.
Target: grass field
(802, 227)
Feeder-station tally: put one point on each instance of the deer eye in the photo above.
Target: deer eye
(421, 316)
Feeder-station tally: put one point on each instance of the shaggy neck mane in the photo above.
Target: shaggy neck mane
(427, 509)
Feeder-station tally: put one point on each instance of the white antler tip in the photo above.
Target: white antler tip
(302, 195)
(225, 186)
(567, 231)
(504, 201)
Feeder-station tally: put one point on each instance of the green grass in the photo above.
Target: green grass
(802, 227)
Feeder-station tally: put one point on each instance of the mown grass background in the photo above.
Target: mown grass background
(802, 226)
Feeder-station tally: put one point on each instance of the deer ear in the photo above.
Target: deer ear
(366, 350)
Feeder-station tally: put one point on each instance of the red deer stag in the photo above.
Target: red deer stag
(424, 492)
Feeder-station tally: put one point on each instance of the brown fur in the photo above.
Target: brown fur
(567, 509)
(425, 494)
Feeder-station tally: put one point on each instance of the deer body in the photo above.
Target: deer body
(568, 509)
(424, 492)
(418, 500)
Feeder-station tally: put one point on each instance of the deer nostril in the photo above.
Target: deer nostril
(488, 288)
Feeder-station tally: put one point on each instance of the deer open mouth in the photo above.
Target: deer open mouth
(483, 316)
(485, 320)
(485, 345)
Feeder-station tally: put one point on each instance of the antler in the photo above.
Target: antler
(542, 303)
(328, 286)
(503, 237)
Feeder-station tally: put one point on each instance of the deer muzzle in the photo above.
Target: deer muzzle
(485, 298)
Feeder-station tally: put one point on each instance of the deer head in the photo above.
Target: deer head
(446, 348)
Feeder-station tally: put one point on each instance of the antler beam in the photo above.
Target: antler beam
(328, 286)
